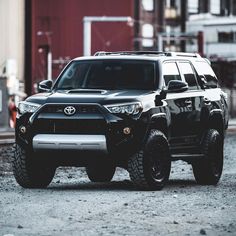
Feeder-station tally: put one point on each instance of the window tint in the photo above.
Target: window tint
(170, 72)
(109, 74)
(189, 75)
(203, 68)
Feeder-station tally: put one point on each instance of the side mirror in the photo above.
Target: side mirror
(177, 86)
(45, 86)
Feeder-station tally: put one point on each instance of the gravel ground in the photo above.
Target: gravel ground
(72, 205)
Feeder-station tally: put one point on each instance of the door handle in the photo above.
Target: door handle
(188, 102)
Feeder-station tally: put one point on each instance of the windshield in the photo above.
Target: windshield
(108, 74)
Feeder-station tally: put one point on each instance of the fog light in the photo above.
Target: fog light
(127, 130)
(23, 129)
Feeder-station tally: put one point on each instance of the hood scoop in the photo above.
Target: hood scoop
(86, 91)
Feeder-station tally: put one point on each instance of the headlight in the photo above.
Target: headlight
(24, 107)
(127, 108)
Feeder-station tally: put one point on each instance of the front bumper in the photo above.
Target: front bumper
(92, 129)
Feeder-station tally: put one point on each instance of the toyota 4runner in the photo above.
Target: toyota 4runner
(135, 110)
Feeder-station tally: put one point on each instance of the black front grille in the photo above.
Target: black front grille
(52, 120)
(82, 109)
(70, 126)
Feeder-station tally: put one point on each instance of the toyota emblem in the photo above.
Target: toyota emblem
(69, 111)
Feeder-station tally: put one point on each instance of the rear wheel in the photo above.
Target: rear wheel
(101, 172)
(209, 170)
(31, 172)
(149, 169)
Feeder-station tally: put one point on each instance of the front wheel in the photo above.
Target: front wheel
(208, 171)
(29, 171)
(149, 169)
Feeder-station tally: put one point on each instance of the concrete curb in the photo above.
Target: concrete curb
(8, 141)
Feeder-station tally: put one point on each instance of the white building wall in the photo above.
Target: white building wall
(210, 26)
(12, 35)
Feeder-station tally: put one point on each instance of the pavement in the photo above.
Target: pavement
(72, 205)
(7, 135)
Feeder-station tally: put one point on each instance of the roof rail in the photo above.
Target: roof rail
(154, 53)
(103, 53)
(182, 54)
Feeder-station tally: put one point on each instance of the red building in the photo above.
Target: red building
(57, 25)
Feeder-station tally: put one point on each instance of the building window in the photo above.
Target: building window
(147, 34)
(193, 6)
(148, 5)
(227, 37)
(172, 3)
(234, 7)
(225, 7)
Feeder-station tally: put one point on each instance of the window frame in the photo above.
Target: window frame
(194, 72)
(166, 62)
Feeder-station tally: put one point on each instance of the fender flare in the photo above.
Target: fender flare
(159, 121)
(216, 120)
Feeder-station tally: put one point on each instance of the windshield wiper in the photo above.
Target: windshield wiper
(65, 88)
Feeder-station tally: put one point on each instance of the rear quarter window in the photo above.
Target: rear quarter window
(203, 68)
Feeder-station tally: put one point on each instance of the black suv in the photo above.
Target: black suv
(135, 110)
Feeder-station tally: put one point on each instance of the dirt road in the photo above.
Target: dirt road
(74, 206)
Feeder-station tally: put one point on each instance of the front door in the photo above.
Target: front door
(185, 107)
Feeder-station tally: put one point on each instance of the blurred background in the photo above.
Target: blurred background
(39, 37)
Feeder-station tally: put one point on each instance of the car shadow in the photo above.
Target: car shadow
(173, 183)
(113, 185)
(116, 185)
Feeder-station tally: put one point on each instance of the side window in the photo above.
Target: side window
(189, 75)
(170, 72)
(203, 68)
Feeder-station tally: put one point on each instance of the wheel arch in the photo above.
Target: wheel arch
(159, 122)
(216, 121)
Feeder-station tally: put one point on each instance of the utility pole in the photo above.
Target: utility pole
(184, 8)
(136, 24)
(48, 34)
(159, 12)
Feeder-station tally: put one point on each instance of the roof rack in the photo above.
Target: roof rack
(103, 53)
(154, 53)
(182, 54)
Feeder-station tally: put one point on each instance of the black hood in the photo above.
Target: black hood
(90, 96)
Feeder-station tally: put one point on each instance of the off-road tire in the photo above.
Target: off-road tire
(30, 172)
(208, 171)
(101, 172)
(149, 169)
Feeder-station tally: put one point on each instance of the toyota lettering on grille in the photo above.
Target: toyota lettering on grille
(70, 110)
